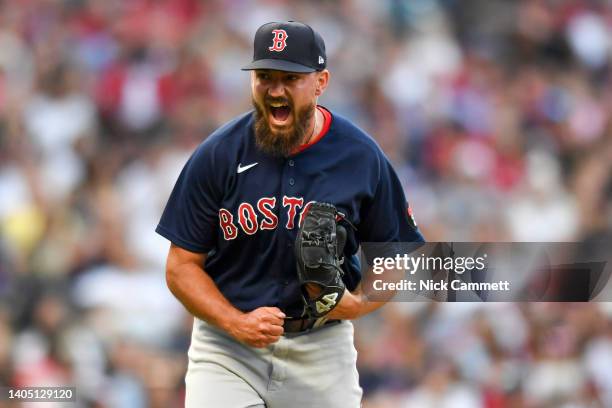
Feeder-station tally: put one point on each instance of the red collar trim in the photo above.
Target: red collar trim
(327, 119)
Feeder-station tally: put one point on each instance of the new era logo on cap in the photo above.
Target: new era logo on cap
(288, 46)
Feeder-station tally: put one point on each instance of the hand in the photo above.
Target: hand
(259, 328)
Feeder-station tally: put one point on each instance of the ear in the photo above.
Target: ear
(322, 82)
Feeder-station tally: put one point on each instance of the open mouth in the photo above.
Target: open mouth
(280, 111)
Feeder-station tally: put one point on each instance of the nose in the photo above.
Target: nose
(276, 89)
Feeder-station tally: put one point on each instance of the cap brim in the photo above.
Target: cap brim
(278, 65)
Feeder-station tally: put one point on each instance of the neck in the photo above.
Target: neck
(316, 126)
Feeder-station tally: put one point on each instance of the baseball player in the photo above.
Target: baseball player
(265, 221)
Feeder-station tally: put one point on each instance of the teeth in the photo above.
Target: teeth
(277, 104)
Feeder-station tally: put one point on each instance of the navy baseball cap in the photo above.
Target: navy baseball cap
(288, 46)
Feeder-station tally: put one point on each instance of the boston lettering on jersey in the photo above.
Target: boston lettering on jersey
(243, 207)
(248, 216)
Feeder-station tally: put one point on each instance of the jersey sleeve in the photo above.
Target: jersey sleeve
(190, 217)
(387, 217)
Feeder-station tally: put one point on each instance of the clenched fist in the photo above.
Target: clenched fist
(260, 327)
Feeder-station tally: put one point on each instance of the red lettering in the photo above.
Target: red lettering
(247, 218)
(265, 206)
(293, 203)
(226, 221)
(279, 42)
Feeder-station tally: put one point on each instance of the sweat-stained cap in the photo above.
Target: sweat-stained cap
(289, 46)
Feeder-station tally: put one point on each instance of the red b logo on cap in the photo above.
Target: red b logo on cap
(279, 42)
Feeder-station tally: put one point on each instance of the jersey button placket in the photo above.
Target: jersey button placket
(291, 173)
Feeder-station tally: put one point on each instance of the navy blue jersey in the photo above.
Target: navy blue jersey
(243, 207)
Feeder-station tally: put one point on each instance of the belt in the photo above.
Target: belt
(295, 326)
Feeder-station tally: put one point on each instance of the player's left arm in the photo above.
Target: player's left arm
(354, 305)
(386, 218)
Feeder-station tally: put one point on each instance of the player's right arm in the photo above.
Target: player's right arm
(195, 289)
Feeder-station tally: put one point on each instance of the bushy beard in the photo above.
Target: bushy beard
(281, 143)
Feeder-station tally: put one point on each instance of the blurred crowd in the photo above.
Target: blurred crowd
(497, 115)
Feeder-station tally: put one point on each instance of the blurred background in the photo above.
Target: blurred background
(496, 114)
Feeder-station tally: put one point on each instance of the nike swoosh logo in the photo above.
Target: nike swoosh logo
(245, 168)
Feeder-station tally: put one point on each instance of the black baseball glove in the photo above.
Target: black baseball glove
(319, 246)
